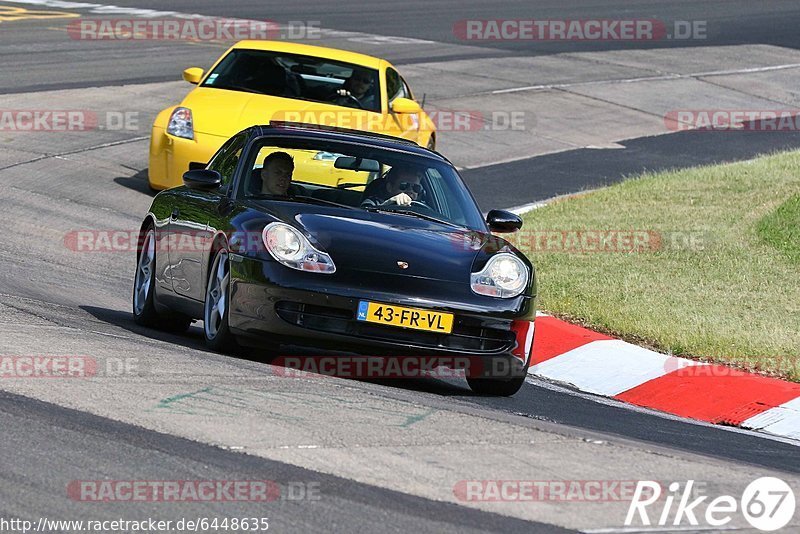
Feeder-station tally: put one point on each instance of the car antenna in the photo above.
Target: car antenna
(422, 105)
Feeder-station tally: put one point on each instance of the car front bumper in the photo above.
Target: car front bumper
(271, 304)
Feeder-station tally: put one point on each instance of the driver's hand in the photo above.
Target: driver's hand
(401, 199)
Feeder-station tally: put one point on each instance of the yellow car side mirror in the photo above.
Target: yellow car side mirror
(193, 75)
(405, 105)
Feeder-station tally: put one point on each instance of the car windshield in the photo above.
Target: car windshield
(295, 76)
(355, 176)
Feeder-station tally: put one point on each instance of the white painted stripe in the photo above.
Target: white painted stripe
(609, 367)
(110, 9)
(543, 383)
(525, 208)
(707, 74)
(783, 420)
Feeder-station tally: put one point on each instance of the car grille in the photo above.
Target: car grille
(468, 333)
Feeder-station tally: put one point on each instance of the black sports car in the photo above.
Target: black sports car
(343, 241)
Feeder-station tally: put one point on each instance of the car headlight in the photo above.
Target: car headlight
(292, 249)
(180, 123)
(504, 276)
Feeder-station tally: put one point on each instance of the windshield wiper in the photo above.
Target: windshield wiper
(413, 214)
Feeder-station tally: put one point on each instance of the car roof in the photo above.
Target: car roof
(348, 136)
(311, 50)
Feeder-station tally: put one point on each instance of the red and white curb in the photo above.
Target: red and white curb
(599, 364)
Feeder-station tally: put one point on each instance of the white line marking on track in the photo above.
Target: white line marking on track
(706, 74)
(110, 9)
(594, 367)
(783, 420)
(544, 383)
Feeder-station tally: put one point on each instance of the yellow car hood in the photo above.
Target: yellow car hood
(224, 113)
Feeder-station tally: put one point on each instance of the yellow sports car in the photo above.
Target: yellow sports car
(258, 82)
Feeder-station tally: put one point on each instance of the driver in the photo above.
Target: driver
(358, 85)
(400, 186)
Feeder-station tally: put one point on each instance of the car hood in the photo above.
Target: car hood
(383, 243)
(225, 112)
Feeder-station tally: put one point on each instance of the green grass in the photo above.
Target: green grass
(723, 283)
(781, 229)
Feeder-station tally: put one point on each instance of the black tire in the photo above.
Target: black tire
(144, 281)
(495, 387)
(215, 324)
(431, 143)
(500, 386)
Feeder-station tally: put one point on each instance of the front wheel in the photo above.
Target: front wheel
(217, 305)
(495, 387)
(507, 380)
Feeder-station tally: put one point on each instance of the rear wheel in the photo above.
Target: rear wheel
(217, 305)
(144, 309)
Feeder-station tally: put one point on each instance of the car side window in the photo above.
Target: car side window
(406, 89)
(225, 161)
(395, 86)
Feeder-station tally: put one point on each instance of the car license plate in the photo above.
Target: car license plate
(432, 321)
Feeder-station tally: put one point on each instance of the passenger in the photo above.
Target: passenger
(276, 175)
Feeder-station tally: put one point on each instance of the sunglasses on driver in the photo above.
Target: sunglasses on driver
(405, 186)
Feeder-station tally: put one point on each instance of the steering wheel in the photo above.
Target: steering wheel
(420, 204)
(356, 100)
(339, 93)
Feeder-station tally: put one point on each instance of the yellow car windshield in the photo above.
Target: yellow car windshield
(296, 76)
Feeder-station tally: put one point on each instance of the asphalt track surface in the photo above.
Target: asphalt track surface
(67, 435)
(562, 173)
(43, 445)
(50, 64)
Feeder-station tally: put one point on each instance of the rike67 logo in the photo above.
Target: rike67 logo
(767, 504)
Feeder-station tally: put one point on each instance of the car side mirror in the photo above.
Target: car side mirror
(193, 75)
(502, 221)
(202, 179)
(405, 105)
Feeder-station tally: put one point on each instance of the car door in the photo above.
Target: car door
(189, 223)
(405, 125)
